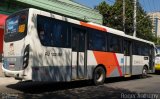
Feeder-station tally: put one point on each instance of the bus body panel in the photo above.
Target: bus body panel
(113, 62)
(56, 64)
(138, 63)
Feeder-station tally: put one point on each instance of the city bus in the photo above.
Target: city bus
(43, 46)
(157, 59)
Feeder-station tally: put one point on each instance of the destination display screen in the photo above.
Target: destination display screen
(12, 25)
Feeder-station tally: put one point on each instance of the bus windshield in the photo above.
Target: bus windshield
(16, 26)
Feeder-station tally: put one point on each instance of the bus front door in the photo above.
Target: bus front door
(78, 53)
(127, 58)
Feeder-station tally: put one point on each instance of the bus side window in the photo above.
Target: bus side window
(60, 34)
(127, 47)
(43, 27)
(97, 40)
(47, 32)
(145, 49)
(114, 44)
(137, 48)
(53, 32)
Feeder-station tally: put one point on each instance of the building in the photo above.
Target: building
(2, 21)
(63, 7)
(155, 18)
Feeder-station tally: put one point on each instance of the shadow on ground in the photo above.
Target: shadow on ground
(157, 72)
(72, 90)
(120, 79)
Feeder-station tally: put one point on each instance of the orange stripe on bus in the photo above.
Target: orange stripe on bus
(119, 68)
(109, 60)
(93, 26)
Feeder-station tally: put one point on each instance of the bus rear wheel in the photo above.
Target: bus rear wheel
(99, 75)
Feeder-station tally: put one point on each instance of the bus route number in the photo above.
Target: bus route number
(52, 54)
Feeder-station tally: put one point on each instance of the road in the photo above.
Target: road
(114, 88)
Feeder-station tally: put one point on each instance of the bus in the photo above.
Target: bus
(157, 59)
(43, 46)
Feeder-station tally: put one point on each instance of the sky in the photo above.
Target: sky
(147, 5)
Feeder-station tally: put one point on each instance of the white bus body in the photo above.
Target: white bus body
(36, 48)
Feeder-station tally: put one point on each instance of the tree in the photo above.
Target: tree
(104, 8)
(114, 18)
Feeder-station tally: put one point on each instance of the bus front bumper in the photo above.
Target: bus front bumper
(16, 74)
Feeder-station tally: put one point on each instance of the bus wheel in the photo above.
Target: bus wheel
(144, 72)
(99, 75)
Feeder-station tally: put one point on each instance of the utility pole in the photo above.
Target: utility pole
(124, 16)
(135, 14)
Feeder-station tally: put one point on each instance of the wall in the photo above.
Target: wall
(1, 40)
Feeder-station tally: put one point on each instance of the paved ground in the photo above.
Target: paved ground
(1, 74)
(114, 88)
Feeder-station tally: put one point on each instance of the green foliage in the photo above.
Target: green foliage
(104, 8)
(113, 17)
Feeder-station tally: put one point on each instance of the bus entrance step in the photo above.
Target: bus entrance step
(127, 75)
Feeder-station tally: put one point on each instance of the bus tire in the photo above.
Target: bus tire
(99, 75)
(144, 72)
